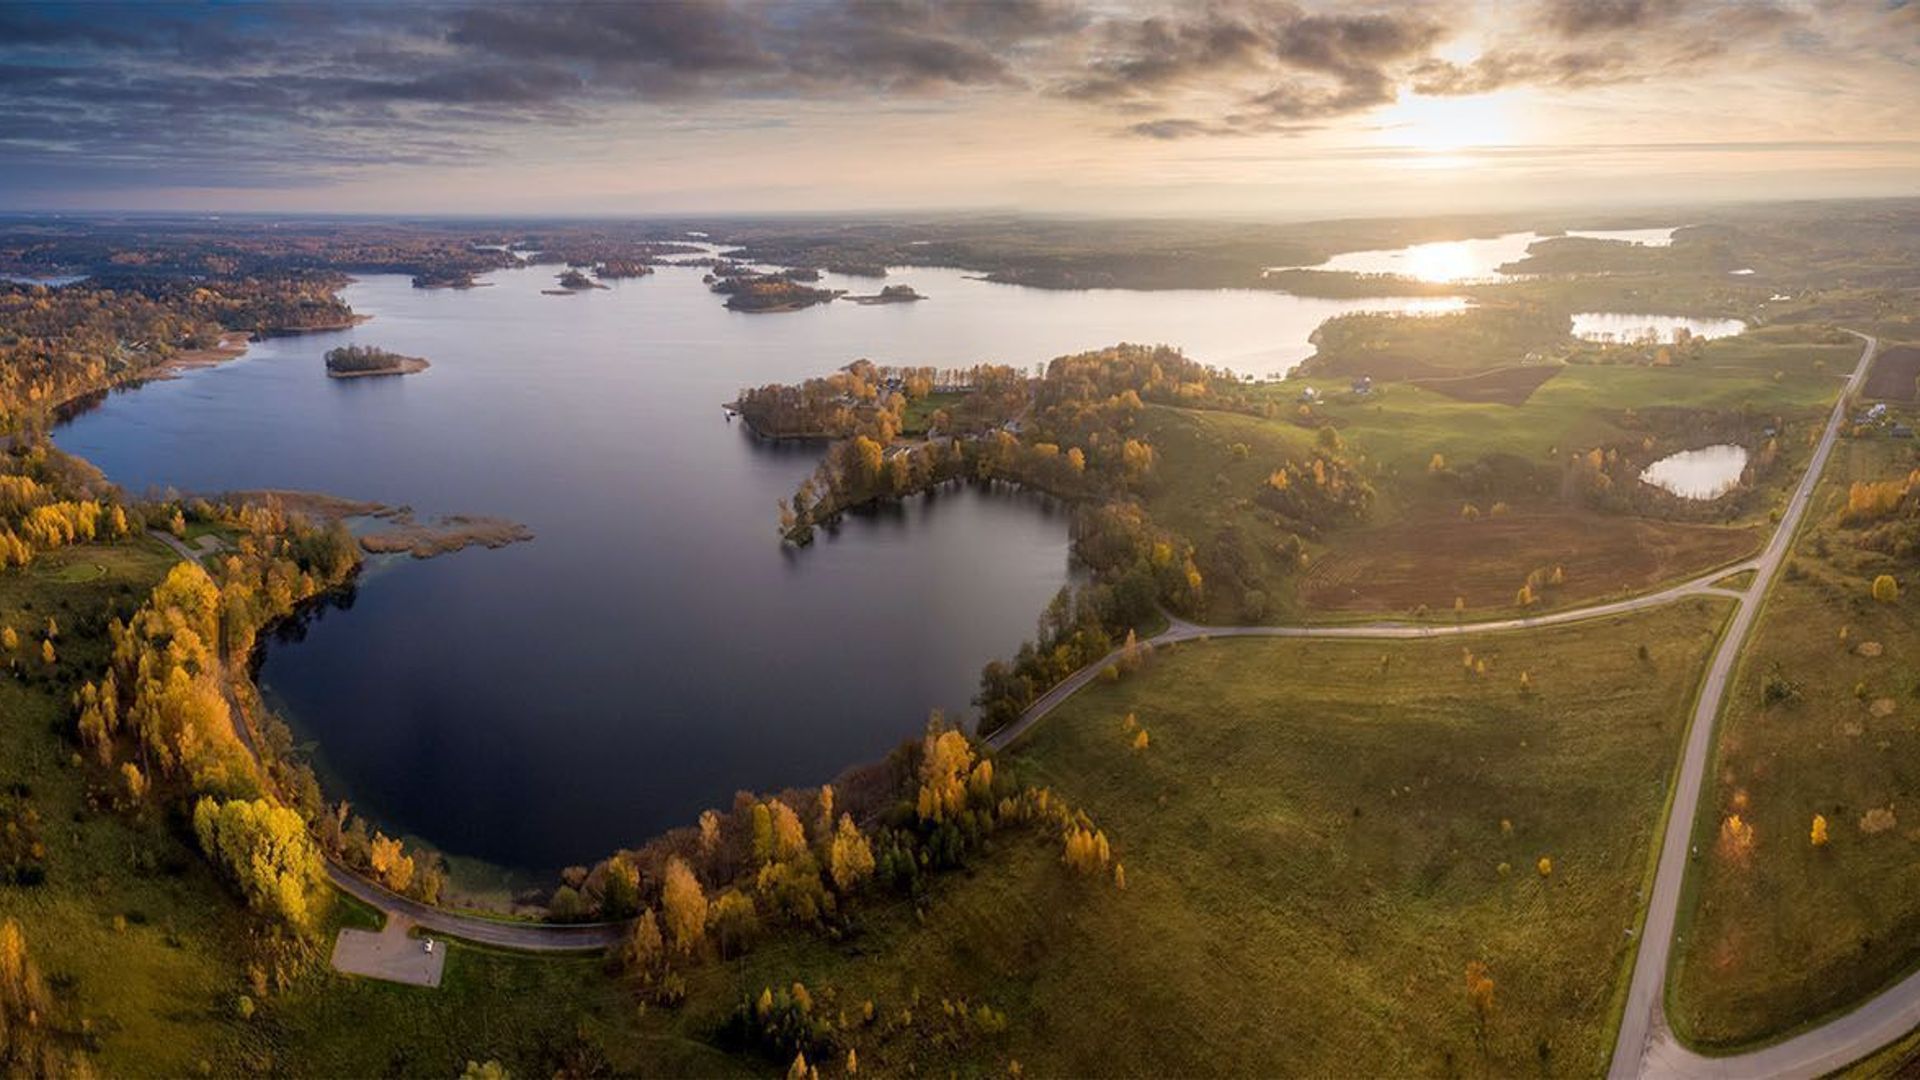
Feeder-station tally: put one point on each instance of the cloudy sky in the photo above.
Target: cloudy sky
(1262, 107)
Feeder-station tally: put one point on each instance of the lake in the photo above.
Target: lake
(1474, 260)
(1706, 473)
(1613, 326)
(654, 649)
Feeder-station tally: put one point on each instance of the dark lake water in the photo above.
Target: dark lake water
(654, 649)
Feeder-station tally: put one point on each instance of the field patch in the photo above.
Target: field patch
(1895, 375)
(1503, 386)
(1431, 557)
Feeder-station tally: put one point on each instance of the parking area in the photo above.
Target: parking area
(393, 954)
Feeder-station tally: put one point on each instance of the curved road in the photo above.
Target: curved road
(1645, 1045)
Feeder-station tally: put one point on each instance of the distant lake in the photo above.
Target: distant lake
(1475, 260)
(654, 649)
(51, 281)
(1613, 326)
(1706, 473)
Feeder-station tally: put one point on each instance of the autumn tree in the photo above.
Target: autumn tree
(1819, 832)
(789, 837)
(265, 850)
(1736, 839)
(685, 905)
(644, 950)
(945, 762)
(390, 862)
(1480, 996)
(26, 1044)
(1086, 849)
(850, 859)
(1885, 589)
(620, 892)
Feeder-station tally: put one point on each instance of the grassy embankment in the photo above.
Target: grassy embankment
(1784, 932)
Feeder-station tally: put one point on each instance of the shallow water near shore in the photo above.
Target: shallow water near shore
(653, 649)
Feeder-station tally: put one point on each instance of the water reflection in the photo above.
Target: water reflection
(1706, 473)
(1650, 329)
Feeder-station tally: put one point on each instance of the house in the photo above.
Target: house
(1309, 395)
(1363, 384)
(1901, 431)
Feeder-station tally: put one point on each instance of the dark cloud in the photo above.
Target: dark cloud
(1577, 18)
(296, 90)
(1274, 65)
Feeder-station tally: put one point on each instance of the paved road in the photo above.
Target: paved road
(525, 937)
(1646, 1046)
(1181, 630)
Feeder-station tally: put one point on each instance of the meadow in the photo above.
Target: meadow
(1318, 840)
(1821, 720)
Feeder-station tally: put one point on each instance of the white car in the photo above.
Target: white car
(429, 945)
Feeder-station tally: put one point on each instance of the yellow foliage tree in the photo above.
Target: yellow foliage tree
(850, 859)
(1885, 589)
(946, 761)
(685, 903)
(1480, 992)
(1736, 839)
(390, 862)
(266, 850)
(1819, 833)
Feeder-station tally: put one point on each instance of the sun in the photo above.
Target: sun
(1448, 125)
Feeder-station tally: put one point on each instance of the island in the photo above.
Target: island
(621, 268)
(356, 361)
(770, 292)
(573, 281)
(892, 294)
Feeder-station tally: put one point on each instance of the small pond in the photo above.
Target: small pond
(1706, 473)
(1618, 327)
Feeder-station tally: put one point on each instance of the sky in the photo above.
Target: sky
(1264, 108)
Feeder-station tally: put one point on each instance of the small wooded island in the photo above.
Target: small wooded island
(354, 361)
(573, 281)
(769, 292)
(892, 294)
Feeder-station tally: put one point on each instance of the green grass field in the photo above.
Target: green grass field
(1784, 933)
(1313, 843)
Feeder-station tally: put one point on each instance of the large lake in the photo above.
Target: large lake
(655, 649)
